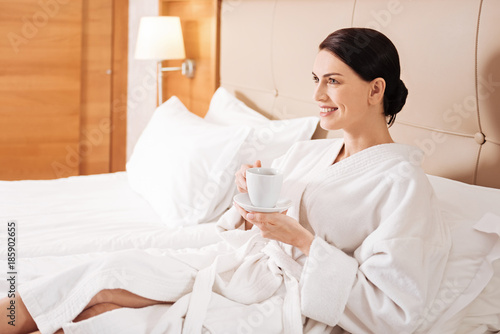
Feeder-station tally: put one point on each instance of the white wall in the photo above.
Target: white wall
(141, 101)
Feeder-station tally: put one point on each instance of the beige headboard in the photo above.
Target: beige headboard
(450, 59)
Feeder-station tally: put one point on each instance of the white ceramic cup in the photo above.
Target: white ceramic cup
(264, 186)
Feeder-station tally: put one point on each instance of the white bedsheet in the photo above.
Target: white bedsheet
(87, 214)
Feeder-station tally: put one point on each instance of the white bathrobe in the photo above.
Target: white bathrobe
(375, 264)
(380, 249)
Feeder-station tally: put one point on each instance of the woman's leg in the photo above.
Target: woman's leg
(135, 270)
(104, 301)
(18, 322)
(89, 313)
(122, 298)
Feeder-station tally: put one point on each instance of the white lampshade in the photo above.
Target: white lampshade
(160, 37)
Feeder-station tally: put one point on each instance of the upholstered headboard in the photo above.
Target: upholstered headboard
(450, 59)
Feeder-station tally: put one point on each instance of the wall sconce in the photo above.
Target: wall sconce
(160, 38)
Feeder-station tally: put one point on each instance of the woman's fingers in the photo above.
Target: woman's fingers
(241, 186)
(280, 227)
(242, 212)
(241, 182)
(272, 225)
(241, 176)
(261, 219)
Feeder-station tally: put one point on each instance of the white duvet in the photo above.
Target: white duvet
(62, 222)
(85, 214)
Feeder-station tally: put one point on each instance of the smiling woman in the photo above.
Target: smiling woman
(358, 88)
(367, 212)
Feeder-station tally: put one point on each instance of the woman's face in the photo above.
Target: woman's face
(341, 94)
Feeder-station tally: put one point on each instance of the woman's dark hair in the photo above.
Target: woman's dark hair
(371, 55)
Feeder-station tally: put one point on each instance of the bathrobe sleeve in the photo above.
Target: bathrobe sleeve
(384, 286)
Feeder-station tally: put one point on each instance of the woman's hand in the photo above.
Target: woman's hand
(241, 176)
(280, 227)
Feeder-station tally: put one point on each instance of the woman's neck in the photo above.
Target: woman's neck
(356, 141)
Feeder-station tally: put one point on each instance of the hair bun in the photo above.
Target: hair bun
(395, 102)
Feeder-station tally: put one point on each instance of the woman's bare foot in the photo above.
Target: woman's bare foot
(122, 298)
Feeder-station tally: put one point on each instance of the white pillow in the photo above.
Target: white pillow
(270, 139)
(184, 166)
(473, 214)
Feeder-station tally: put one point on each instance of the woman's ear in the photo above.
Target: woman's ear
(377, 89)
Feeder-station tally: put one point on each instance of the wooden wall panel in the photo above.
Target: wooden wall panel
(118, 154)
(40, 81)
(95, 123)
(199, 25)
(63, 87)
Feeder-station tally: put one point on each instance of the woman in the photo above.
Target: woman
(357, 91)
(375, 258)
(363, 249)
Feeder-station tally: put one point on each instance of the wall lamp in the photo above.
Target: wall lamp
(160, 38)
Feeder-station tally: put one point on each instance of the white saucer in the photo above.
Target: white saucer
(244, 201)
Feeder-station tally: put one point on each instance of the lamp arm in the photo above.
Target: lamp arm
(160, 83)
(187, 69)
(170, 69)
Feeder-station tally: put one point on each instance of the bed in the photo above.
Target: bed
(450, 63)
